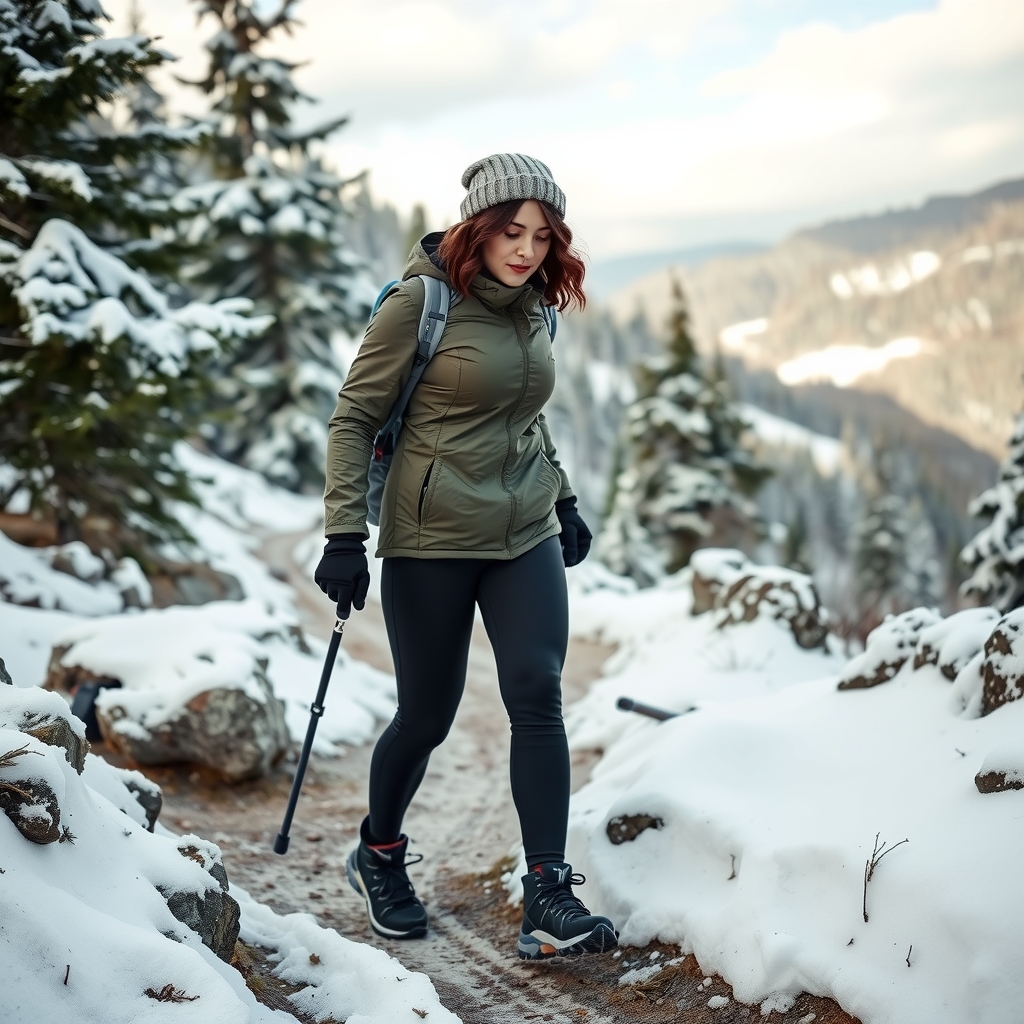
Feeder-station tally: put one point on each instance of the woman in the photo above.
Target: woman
(476, 510)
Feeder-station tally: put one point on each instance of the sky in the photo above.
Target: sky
(668, 123)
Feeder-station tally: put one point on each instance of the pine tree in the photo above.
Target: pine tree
(272, 225)
(995, 556)
(687, 477)
(880, 557)
(97, 371)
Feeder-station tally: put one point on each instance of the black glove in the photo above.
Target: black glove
(343, 574)
(576, 535)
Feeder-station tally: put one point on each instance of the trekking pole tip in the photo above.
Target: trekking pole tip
(281, 843)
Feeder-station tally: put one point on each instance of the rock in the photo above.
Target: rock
(5, 676)
(1002, 769)
(714, 570)
(63, 678)
(224, 729)
(148, 794)
(77, 560)
(780, 594)
(888, 648)
(32, 806)
(182, 583)
(626, 827)
(47, 717)
(998, 782)
(953, 642)
(58, 732)
(213, 915)
(1002, 670)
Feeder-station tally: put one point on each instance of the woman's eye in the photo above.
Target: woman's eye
(511, 234)
(544, 241)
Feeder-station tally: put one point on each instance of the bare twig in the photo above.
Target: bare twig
(732, 857)
(170, 994)
(10, 757)
(67, 974)
(877, 853)
(909, 951)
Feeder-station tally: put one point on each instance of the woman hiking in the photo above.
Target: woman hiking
(476, 511)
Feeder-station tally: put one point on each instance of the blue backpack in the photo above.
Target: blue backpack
(438, 300)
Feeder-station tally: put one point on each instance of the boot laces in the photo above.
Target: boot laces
(558, 897)
(391, 884)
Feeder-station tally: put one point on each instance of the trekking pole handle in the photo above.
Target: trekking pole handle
(316, 711)
(660, 714)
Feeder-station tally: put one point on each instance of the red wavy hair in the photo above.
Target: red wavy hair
(563, 268)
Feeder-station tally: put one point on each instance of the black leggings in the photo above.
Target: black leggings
(429, 606)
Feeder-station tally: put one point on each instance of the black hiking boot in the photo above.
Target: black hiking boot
(378, 875)
(555, 922)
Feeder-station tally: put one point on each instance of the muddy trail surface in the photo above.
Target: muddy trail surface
(463, 822)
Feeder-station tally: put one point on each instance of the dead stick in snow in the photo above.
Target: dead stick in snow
(628, 704)
(869, 868)
(315, 713)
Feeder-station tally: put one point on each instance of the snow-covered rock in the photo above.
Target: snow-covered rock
(953, 642)
(99, 925)
(193, 685)
(888, 647)
(1003, 667)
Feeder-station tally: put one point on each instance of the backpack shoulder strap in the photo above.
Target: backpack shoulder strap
(551, 319)
(438, 300)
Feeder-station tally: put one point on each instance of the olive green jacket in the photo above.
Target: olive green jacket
(474, 474)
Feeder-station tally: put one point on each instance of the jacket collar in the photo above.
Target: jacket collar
(424, 259)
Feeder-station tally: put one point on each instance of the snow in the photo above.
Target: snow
(843, 365)
(771, 794)
(736, 337)
(86, 931)
(826, 452)
(897, 277)
(66, 172)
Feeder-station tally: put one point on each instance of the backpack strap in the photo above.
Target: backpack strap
(551, 319)
(438, 299)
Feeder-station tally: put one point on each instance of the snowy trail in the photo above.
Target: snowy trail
(464, 823)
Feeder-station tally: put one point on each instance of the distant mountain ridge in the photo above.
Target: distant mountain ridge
(891, 229)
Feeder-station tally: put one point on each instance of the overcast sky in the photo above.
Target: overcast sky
(668, 123)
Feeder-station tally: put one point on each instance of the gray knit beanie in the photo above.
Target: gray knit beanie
(506, 176)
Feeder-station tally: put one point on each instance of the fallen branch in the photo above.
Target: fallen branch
(869, 867)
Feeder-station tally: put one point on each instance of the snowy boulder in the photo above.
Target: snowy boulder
(211, 913)
(779, 594)
(5, 676)
(46, 718)
(70, 577)
(26, 797)
(1002, 669)
(714, 571)
(129, 791)
(887, 649)
(194, 685)
(1002, 769)
(952, 643)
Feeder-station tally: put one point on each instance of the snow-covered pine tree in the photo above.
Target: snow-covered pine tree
(995, 555)
(686, 476)
(273, 230)
(880, 558)
(97, 371)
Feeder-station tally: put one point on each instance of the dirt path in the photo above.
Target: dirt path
(464, 823)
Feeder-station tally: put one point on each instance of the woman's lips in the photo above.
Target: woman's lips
(518, 268)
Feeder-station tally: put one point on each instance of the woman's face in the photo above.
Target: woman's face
(517, 252)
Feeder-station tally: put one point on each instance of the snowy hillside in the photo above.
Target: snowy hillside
(106, 916)
(754, 829)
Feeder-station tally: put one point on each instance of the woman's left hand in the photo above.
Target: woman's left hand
(575, 535)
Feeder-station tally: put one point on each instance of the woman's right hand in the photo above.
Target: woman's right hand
(343, 574)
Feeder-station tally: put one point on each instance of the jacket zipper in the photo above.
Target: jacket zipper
(508, 429)
(423, 492)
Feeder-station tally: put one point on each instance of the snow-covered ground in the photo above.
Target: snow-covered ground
(763, 806)
(86, 934)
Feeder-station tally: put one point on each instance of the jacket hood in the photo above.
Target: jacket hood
(424, 260)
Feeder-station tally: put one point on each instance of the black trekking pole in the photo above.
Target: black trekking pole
(315, 713)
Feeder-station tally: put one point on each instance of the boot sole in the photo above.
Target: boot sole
(356, 881)
(600, 940)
